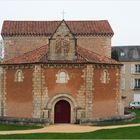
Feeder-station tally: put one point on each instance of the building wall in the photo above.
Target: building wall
(18, 98)
(98, 44)
(74, 83)
(105, 96)
(14, 46)
(126, 76)
(39, 87)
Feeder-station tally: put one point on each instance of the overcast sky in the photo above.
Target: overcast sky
(123, 15)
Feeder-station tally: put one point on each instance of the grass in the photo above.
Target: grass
(119, 133)
(137, 119)
(4, 127)
(134, 121)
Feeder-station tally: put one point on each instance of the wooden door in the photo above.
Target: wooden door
(62, 112)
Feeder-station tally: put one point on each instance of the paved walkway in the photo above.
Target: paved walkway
(65, 128)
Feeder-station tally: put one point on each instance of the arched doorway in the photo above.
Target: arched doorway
(62, 112)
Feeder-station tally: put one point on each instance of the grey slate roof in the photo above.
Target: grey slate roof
(127, 53)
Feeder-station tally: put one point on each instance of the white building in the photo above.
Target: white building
(130, 73)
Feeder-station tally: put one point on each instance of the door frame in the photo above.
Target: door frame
(69, 99)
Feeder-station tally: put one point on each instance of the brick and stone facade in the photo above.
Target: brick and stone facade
(60, 71)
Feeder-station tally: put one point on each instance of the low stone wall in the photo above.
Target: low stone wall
(107, 120)
(23, 121)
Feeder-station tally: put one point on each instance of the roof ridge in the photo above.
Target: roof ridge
(46, 28)
(88, 20)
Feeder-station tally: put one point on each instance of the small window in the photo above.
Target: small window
(122, 54)
(62, 77)
(137, 83)
(19, 76)
(105, 77)
(137, 68)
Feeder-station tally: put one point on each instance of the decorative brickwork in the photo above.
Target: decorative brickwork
(89, 91)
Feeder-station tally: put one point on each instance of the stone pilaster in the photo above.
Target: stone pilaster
(89, 90)
(119, 102)
(2, 92)
(81, 97)
(40, 93)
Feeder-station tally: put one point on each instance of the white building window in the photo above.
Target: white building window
(137, 68)
(122, 54)
(137, 83)
(19, 76)
(62, 77)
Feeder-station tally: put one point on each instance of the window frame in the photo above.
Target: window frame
(105, 77)
(19, 76)
(62, 79)
(137, 68)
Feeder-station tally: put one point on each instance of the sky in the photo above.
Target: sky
(123, 15)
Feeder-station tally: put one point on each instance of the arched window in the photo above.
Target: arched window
(62, 77)
(105, 77)
(19, 76)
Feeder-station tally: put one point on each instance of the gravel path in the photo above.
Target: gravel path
(65, 128)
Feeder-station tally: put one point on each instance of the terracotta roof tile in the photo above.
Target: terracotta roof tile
(93, 57)
(11, 28)
(39, 55)
(29, 57)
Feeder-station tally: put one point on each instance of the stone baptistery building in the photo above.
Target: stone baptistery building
(59, 70)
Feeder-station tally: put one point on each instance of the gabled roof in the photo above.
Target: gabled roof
(46, 28)
(39, 55)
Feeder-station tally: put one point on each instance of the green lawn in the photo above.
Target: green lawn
(137, 119)
(4, 127)
(119, 133)
(134, 121)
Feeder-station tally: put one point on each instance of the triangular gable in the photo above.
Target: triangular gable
(59, 26)
(62, 44)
